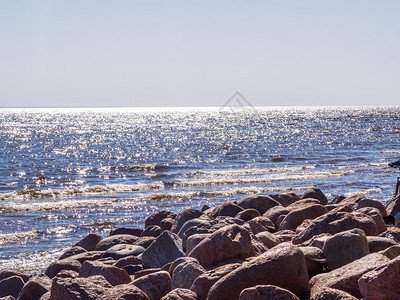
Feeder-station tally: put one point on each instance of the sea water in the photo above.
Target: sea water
(67, 172)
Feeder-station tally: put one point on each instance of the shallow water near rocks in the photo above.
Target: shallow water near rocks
(67, 172)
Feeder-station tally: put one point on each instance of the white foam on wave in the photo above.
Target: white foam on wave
(391, 152)
(144, 167)
(80, 191)
(17, 236)
(251, 171)
(364, 165)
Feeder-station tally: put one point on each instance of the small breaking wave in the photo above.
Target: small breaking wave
(80, 191)
(16, 236)
(391, 152)
(364, 165)
(290, 177)
(144, 167)
(251, 171)
(59, 205)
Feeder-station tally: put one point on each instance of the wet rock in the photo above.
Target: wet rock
(152, 230)
(268, 239)
(226, 243)
(346, 277)
(89, 242)
(260, 203)
(376, 244)
(123, 250)
(295, 217)
(205, 281)
(331, 294)
(315, 194)
(382, 282)
(59, 265)
(334, 222)
(112, 274)
(144, 241)
(376, 216)
(8, 273)
(314, 260)
(166, 224)
(157, 217)
(90, 255)
(35, 288)
(285, 199)
(286, 267)
(155, 285)
(110, 241)
(393, 205)
(248, 214)
(261, 292)
(180, 294)
(275, 212)
(345, 247)
(185, 274)
(183, 217)
(126, 230)
(166, 248)
(129, 260)
(11, 286)
(72, 251)
(91, 288)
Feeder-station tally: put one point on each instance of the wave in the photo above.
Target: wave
(16, 236)
(391, 152)
(228, 192)
(369, 191)
(58, 205)
(364, 165)
(299, 176)
(80, 191)
(251, 171)
(144, 167)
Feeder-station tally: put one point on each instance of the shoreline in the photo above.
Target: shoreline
(345, 247)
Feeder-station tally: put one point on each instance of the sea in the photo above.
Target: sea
(67, 172)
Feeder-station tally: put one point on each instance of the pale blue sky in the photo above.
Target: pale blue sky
(198, 53)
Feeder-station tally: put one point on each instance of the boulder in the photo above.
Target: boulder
(334, 222)
(180, 294)
(376, 243)
(177, 262)
(89, 242)
(382, 282)
(303, 203)
(123, 250)
(72, 251)
(285, 199)
(229, 209)
(391, 252)
(166, 224)
(260, 203)
(133, 269)
(67, 274)
(126, 230)
(260, 224)
(90, 255)
(145, 272)
(346, 277)
(226, 243)
(370, 203)
(286, 268)
(331, 294)
(194, 240)
(59, 265)
(317, 241)
(112, 274)
(157, 217)
(295, 217)
(8, 273)
(345, 247)
(113, 240)
(268, 239)
(315, 194)
(183, 217)
(275, 212)
(192, 223)
(166, 248)
(376, 216)
(248, 214)
(144, 241)
(91, 288)
(155, 285)
(152, 230)
(393, 205)
(262, 292)
(314, 260)
(9, 298)
(129, 260)
(392, 233)
(124, 292)
(285, 235)
(185, 274)
(205, 281)
(11, 286)
(35, 288)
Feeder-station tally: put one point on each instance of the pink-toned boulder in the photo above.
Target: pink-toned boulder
(180, 294)
(334, 222)
(229, 209)
(194, 240)
(185, 274)
(260, 224)
(392, 233)
(155, 285)
(275, 212)
(317, 241)
(129, 260)
(261, 203)
(376, 243)
(285, 199)
(376, 216)
(8, 273)
(283, 266)
(331, 294)
(262, 292)
(90, 241)
(65, 264)
(152, 230)
(226, 243)
(370, 203)
(166, 224)
(391, 252)
(89, 255)
(315, 193)
(314, 260)
(179, 261)
(157, 217)
(393, 205)
(112, 274)
(382, 282)
(113, 240)
(295, 217)
(268, 239)
(248, 214)
(35, 288)
(203, 283)
(285, 235)
(124, 292)
(346, 277)
(183, 217)
(345, 247)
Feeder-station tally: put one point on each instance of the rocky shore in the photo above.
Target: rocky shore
(282, 246)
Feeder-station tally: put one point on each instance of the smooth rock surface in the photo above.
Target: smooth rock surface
(263, 292)
(154, 285)
(112, 274)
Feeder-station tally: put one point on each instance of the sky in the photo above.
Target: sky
(198, 53)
